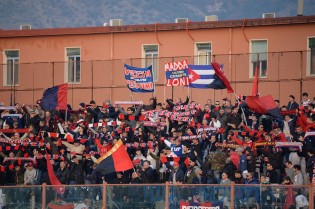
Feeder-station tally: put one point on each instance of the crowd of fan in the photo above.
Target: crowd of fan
(215, 146)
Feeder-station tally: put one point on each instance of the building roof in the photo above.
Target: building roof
(158, 27)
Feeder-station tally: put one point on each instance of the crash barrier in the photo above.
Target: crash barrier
(157, 196)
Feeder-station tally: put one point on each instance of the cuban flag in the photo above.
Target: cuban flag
(208, 76)
(200, 76)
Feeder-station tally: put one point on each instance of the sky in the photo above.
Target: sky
(89, 13)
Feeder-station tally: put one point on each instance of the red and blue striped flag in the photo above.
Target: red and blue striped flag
(115, 160)
(55, 97)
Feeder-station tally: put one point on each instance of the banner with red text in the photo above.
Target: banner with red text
(177, 73)
(139, 79)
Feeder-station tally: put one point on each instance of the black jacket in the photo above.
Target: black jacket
(63, 175)
(75, 171)
(147, 175)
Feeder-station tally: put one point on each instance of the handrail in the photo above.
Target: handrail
(167, 187)
(158, 184)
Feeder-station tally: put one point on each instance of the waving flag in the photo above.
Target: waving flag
(115, 160)
(200, 76)
(139, 79)
(220, 81)
(263, 105)
(206, 76)
(55, 97)
(58, 187)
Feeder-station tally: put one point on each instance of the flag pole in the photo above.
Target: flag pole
(153, 81)
(134, 170)
(164, 89)
(131, 95)
(188, 90)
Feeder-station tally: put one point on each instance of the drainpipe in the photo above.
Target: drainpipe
(111, 73)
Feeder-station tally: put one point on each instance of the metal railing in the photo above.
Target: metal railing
(123, 196)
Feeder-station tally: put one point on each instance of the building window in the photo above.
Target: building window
(12, 58)
(151, 54)
(311, 46)
(203, 54)
(259, 57)
(73, 65)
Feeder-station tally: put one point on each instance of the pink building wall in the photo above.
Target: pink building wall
(105, 49)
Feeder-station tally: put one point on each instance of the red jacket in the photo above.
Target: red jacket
(102, 149)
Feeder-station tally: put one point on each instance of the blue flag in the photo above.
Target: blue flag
(139, 79)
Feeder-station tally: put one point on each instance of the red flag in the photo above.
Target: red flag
(255, 85)
(115, 160)
(222, 77)
(58, 187)
(263, 105)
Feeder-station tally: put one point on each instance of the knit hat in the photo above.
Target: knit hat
(82, 104)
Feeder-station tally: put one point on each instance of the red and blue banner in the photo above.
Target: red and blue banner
(177, 73)
(55, 97)
(139, 79)
(263, 105)
(115, 160)
(220, 81)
